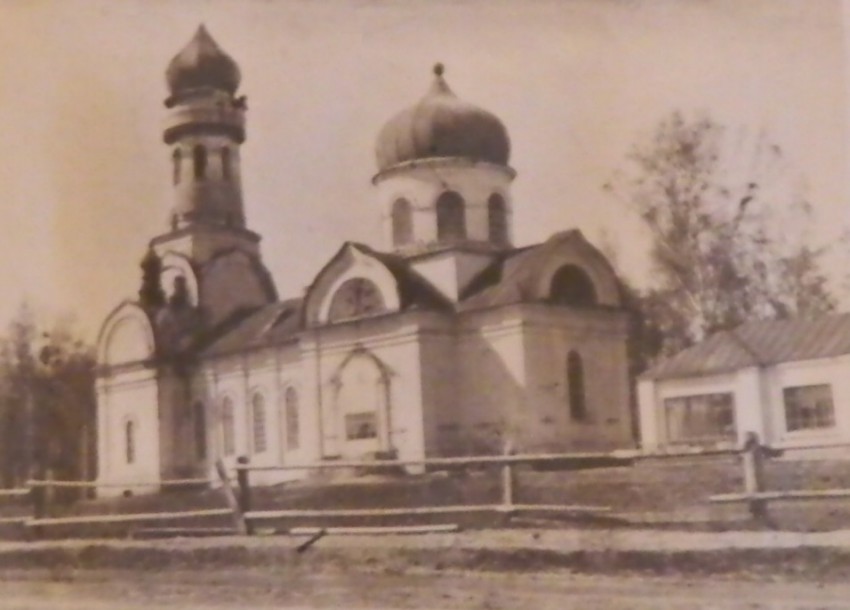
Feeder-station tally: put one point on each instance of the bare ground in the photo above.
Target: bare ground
(262, 588)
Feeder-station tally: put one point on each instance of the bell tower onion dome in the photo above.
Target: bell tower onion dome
(441, 125)
(202, 65)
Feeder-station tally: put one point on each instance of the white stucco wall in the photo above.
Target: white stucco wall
(451, 271)
(391, 340)
(598, 337)
(129, 396)
(422, 184)
(491, 379)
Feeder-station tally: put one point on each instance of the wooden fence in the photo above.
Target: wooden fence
(244, 518)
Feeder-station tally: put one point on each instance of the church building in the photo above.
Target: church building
(443, 340)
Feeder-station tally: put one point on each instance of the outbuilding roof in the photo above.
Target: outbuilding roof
(760, 343)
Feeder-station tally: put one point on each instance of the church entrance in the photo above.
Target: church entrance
(362, 407)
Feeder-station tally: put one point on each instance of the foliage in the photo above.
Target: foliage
(47, 401)
(718, 219)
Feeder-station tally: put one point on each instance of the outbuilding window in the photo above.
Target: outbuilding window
(808, 407)
(700, 418)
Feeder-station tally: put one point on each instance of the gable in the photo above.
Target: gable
(349, 265)
(527, 274)
(126, 337)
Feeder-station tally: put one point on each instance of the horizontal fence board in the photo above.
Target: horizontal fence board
(420, 510)
(213, 512)
(496, 460)
(559, 508)
(376, 530)
(368, 512)
(12, 520)
(14, 493)
(90, 484)
(812, 494)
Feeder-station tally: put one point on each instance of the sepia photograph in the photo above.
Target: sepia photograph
(425, 304)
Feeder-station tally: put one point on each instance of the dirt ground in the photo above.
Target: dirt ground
(492, 570)
(262, 588)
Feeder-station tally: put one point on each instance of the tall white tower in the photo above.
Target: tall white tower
(204, 129)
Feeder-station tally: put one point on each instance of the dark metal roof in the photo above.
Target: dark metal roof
(760, 343)
(513, 275)
(267, 325)
(442, 126)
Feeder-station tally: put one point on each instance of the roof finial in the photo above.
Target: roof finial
(439, 69)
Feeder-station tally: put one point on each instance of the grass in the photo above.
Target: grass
(658, 493)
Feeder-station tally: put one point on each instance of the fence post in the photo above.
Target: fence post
(753, 461)
(507, 481)
(239, 523)
(49, 492)
(242, 478)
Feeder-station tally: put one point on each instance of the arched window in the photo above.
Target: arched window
(258, 422)
(402, 222)
(225, 164)
(130, 441)
(199, 158)
(177, 159)
(200, 421)
(575, 387)
(497, 219)
(572, 286)
(293, 434)
(451, 219)
(356, 297)
(228, 436)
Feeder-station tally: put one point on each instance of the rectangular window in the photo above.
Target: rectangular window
(808, 407)
(359, 426)
(700, 418)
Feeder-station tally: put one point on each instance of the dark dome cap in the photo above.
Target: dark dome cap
(441, 125)
(202, 64)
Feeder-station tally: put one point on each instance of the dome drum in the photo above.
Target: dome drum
(439, 163)
(205, 119)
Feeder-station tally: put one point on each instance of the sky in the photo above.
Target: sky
(84, 174)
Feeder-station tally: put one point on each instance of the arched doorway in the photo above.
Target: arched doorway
(362, 406)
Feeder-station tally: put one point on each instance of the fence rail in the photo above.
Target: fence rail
(239, 497)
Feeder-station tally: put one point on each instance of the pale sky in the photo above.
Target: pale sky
(85, 178)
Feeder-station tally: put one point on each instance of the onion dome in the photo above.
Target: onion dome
(201, 65)
(442, 125)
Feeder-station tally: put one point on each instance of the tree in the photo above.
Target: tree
(47, 401)
(714, 208)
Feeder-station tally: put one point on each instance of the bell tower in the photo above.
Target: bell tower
(204, 129)
(206, 266)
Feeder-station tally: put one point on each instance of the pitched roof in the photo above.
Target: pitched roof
(513, 276)
(760, 343)
(265, 325)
